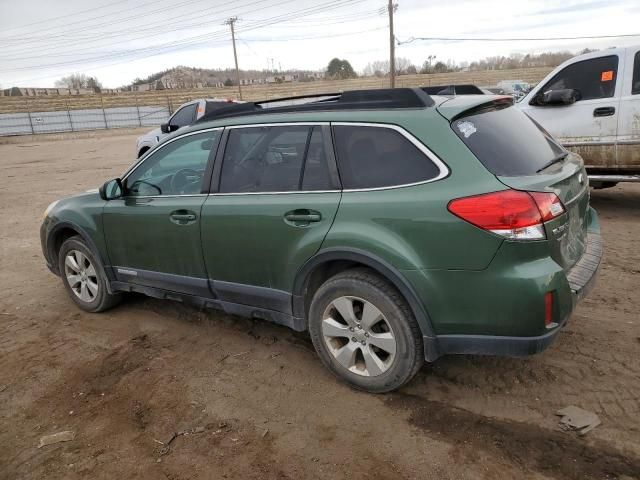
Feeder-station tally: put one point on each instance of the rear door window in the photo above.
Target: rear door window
(507, 141)
(595, 78)
(273, 159)
(374, 157)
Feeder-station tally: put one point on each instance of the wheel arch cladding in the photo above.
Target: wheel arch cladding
(334, 260)
(65, 230)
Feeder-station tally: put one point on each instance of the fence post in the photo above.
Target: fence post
(69, 116)
(138, 109)
(169, 105)
(29, 112)
(104, 114)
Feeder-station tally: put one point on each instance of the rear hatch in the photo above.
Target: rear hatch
(523, 156)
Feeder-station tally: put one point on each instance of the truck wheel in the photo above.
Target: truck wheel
(83, 276)
(364, 332)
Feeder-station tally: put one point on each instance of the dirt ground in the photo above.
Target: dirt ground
(256, 399)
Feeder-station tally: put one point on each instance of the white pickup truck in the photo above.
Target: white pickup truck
(591, 103)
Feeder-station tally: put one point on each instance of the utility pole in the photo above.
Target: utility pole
(231, 22)
(392, 46)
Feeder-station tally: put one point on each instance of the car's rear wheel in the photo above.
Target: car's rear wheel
(364, 331)
(83, 276)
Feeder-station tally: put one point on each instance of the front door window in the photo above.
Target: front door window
(176, 169)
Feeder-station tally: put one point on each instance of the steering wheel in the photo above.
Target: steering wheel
(135, 188)
(180, 180)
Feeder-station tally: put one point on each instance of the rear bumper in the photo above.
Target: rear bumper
(487, 345)
(580, 278)
(582, 275)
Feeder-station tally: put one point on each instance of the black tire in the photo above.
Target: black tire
(368, 286)
(102, 300)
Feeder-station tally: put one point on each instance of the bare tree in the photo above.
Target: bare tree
(79, 80)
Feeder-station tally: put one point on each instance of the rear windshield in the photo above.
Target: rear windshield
(507, 141)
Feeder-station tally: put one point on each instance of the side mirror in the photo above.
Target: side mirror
(111, 189)
(168, 128)
(565, 96)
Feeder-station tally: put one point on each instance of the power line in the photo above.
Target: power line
(198, 40)
(520, 39)
(158, 31)
(111, 21)
(64, 16)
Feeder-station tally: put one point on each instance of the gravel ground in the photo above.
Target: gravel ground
(253, 401)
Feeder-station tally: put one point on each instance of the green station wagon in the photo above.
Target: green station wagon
(394, 226)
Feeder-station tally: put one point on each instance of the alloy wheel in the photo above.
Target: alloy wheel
(81, 275)
(359, 336)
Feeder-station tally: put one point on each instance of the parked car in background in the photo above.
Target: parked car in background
(393, 225)
(493, 91)
(453, 90)
(185, 115)
(515, 88)
(591, 104)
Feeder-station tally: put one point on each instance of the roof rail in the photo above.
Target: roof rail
(391, 98)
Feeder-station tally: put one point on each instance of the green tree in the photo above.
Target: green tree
(440, 67)
(228, 82)
(340, 69)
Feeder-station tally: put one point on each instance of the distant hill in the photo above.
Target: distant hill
(191, 77)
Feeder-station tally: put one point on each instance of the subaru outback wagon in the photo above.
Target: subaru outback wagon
(394, 226)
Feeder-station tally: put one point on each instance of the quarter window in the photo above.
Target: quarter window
(595, 78)
(370, 157)
(184, 116)
(635, 82)
(272, 159)
(175, 169)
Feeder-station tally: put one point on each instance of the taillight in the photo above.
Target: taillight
(510, 213)
(549, 205)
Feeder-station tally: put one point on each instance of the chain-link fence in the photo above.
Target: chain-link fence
(68, 120)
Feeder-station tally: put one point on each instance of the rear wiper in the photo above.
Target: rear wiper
(557, 159)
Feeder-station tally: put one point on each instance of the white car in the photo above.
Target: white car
(185, 115)
(591, 103)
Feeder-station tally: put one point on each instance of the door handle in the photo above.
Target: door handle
(302, 217)
(182, 217)
(604, 111)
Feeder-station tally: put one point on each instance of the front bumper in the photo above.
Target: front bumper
(46, 251)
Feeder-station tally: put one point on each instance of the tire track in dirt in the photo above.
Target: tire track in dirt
(552, 453)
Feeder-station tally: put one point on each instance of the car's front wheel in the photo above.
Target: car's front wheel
(83, 276)
(364, 331)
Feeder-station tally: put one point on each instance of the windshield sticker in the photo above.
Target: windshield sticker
(467, 128)
(606, 76)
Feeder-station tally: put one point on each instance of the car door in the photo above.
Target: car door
(153, 232)
(628, 145)
(275, 195)
(588, 126)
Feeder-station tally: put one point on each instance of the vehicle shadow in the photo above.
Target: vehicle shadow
(623, 198)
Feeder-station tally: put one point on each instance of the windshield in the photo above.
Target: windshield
(507, 141)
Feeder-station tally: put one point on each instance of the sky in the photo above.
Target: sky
(117, 41)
